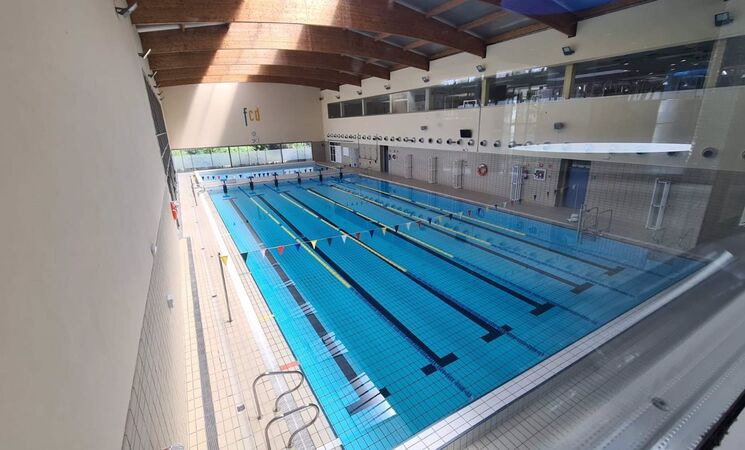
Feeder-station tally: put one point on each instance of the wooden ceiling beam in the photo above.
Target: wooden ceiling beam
(445, 7)
(416, 44)
(489, 18)
(267, 57)
(281, 37)
(517, 32)
(378, 16)
(548, 12)
(260, 70)
(250, 79)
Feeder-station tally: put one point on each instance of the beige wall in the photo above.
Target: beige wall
(82, 196)
(211, 115)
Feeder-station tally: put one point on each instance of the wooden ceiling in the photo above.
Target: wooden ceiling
(327, 43)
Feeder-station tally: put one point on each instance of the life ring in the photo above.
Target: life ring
(482, 169)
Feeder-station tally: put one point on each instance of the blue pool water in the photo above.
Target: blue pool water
(397, 330)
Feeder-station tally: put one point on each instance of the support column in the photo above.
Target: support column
(715, 64)
(568, 81)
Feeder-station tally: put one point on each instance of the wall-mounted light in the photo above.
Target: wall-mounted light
(425, 78)
(359, 91)
(126, 12)
(558, 125)
(481, 68)
(337, 96)
(709, 152)
(145, 54)
(483, 143)
(151, 75)
(567, 50)
(722, 18)
(387, 86)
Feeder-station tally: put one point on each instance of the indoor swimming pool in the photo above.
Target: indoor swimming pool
(403, 306)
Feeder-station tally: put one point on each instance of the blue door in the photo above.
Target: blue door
(384, 158)
(578, 174)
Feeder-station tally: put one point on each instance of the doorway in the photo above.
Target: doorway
(578, 175)
(384, 158)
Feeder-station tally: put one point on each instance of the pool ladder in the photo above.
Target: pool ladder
(284, 415)
(594, 228)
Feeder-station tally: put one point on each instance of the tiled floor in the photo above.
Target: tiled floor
(231, 355)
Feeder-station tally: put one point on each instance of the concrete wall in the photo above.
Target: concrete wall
(83, 189)
(212, 115)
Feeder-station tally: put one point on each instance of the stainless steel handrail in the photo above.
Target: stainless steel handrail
(275, 373)
(294, 433)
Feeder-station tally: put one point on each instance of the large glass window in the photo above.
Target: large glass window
(334, 110)
(671, 69)
(465, 93)
(351, 108)
(732, 72)
(244, 155)
(536, 84)
(380, 104)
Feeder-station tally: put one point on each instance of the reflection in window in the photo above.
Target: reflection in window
(536, 84)
(671, 69)
(351, 108)
(452, 94)
(334, 110)
(247, 155)
(732, 72)
(380, 104)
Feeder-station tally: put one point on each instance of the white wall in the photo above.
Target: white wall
(82, 195)
(211, 115)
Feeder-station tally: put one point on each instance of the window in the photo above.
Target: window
(732, 72)
(380, 104)
(452, 94)
(670, 69)
(334, 110)
(536, 84)
(351, 108)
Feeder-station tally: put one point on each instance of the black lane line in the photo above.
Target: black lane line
(493, 331)
(610, 271)
(576, 287)
(210, 424)
(538, 308)
(437, 361)
(589, 282)
(341, 361)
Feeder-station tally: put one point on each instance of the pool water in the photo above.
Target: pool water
(427, 303)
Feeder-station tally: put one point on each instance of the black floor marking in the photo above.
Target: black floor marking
(493, 332)
(341, 361)
(576, 287)
(210, 424)
(539, 308)
(437, 361)
(610, 271)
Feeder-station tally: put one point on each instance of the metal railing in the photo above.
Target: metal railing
(276, 402)
(298, 430)
(595, 227)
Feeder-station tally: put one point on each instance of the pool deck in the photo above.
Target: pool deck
(223, 358)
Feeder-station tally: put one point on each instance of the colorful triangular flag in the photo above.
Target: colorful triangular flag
(429, 219)
(357, 235)
(263, 252)
(408, 225)
(329, 239)
(396, 228)
(244, 255)
(383, 229)
(469, 213)
(344, 238)
(313, 244)
(450, 216)
(297, 246)
(281, 249)
(371, 232)
(478, 212)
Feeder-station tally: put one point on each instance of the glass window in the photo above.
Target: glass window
(671, 69)
(334, 110)
(380, 104)
(351, 108)
(409, 101)
(732, 72)
(536, 84)
(465, 93)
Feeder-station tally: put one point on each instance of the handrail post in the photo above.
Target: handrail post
(294, 433)
(274, 373)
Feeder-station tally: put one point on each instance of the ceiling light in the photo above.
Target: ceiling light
(567, 50)
(126, 12)
(146, 54)
(153, 74)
